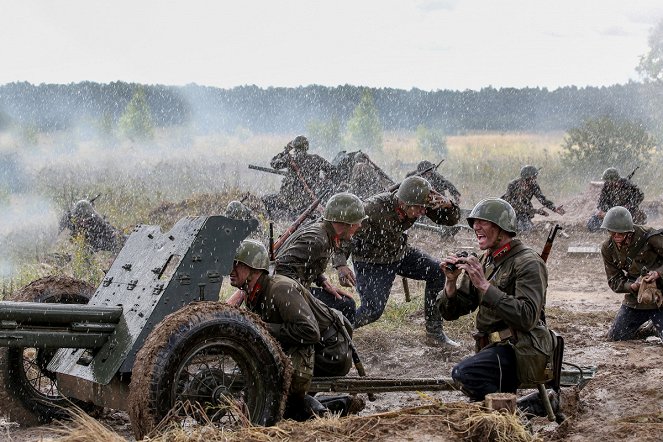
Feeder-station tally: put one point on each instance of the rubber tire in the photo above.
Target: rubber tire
(180, 336)
(19, 400)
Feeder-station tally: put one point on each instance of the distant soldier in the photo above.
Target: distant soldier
(380, 252)
(617, 191)
(305, 178)
(365, 179)
(439, 183)
(304, 256)
(633, 255)
(519, 194)
(237, 210)
(99, 234)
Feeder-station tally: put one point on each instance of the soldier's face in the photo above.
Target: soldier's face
(349, 230)
(619, 238)
(487, 234)
(239, 274)
(414, 212)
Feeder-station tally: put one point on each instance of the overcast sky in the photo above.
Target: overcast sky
(427, 44)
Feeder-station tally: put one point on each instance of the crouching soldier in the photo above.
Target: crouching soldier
(507, 285)
(291, 315)
(633, 256)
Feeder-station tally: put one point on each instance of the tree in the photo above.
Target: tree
(364, 131)
(136, 121)
(432, 141)
(325, 136)
(651, 64)
(603, 142)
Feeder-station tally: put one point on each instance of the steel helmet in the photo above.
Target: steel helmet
(236, 210)
(414, 191)
(618, 219)
(344, 208)
(528, 171)
(300, 142)
(423, 165)
(497, 211)
(83, 209)
(610, 174)
(254, 254)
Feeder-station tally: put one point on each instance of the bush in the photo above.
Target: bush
(432, 141)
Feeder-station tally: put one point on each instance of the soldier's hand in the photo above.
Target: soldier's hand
(449, 266)
(438, 201)
(560, 210)
(346, 276)
(474, 271)
(337, 292)
(651, 276)
(236, 298)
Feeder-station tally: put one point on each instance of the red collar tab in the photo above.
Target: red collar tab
(337, 241)
(251, 299)
(400, 212)
(501, 251)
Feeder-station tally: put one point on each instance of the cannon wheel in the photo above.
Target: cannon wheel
(28, 391)
(208, 363)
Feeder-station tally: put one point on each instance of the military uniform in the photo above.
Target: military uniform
(99, 234)
(380, 252)
(439, 182)
(365, 181)
(509, 320)
(621, 192)
(293, 197)
(304, 257)
(519, 194)
(622, 268)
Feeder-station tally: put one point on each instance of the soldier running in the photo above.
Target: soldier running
(303, 182)
(633, 255)
(519, 194)
(380, 252)
(617, 191)
(437, 180)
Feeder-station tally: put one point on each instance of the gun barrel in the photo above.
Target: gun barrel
(267, 169)
(352, 385)
(51, 313)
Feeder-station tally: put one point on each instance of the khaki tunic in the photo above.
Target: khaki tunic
(622, 267)
(519, 195)
(315, 170)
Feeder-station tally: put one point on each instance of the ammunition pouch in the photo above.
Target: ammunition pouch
(534, 356)
(333, 354)
(484, 339)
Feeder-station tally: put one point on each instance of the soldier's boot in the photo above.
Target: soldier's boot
(436, 337)
(343, 404)
(533, 405)
(313, 407)
(304, 408)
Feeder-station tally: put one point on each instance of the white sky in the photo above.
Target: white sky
(427, 44)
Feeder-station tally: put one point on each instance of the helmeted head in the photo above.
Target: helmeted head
(254, 254)
(528, 171)
(619, 220)
(497, 211)
(344, 208)
(236, 210)
(82, 209)
(423, 165)
(610, 174)
(299, 143)
(414, 191)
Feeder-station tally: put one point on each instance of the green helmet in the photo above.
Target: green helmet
(254, 254)
(618, 219)
(414, 191)
(82, 210)
(344, 208)
(300, 142)
(497, 211)
(528, 171)
(236, 210)
(610, 174)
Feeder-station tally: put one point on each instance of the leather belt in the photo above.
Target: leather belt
(499, 336)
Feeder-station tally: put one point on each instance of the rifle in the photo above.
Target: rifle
(267, 169)
(294, 226)
(423, 172)
(549, 242)
(630, 175)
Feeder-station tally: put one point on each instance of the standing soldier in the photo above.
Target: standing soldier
(365, 180)
(304, 256)
(437, 180)
(303, 182)
(519, 194)
(632, 255)
(380, 252)
(508, 287)
(617, 191)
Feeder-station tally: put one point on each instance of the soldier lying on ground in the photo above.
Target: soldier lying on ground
(304, 256)
(508, 287)
(439, 183)
(519, 194)
(99, 234)
(306, 176)
(314, 336)
(380, 252)
(633, 256)
(617, 191)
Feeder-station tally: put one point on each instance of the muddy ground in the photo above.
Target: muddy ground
(624, 401)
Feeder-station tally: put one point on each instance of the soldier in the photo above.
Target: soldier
(315, 337)
(99, 234)
(365, 179)
(436, 180)
(304, 256)
(508, 287)
(238, 210)
(519, 194)
(617, 191)
(629, 252)
(303, 182)
(380, 251)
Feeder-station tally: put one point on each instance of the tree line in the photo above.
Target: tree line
(49, 107)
